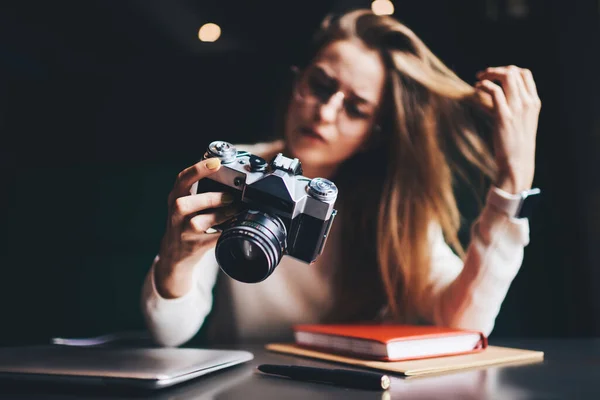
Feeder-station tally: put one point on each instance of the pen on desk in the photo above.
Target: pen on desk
(342, 377)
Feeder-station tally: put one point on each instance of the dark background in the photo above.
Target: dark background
(102, 103)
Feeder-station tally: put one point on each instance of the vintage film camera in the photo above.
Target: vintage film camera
(281, 212)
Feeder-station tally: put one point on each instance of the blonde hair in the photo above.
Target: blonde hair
(429, 113)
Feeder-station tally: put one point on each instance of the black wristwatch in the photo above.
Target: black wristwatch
(518, 205)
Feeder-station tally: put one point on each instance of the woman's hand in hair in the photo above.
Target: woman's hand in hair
(185, 240)
(517, 108)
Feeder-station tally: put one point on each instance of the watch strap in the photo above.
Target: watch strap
(509, 203)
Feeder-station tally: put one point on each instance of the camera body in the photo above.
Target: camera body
(281, 213)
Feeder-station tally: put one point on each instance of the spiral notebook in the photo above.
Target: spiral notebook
(491, 356)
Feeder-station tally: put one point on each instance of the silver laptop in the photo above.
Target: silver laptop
(149, 368)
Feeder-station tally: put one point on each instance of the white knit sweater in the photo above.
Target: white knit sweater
(461, 294)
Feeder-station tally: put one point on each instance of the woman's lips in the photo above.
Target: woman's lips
(311, 134)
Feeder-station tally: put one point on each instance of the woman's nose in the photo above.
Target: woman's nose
(329, 110)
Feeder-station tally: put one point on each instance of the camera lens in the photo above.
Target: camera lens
(251, 247)
(249, 251)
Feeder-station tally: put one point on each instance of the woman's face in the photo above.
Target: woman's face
(334, 106)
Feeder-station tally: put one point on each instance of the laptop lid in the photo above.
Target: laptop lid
(151, 368)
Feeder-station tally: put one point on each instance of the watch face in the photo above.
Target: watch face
(528, 205)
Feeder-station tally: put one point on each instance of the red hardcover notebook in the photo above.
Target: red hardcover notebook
(390, 342)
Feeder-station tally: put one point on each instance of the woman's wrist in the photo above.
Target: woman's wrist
(512, 184)
(172, 280)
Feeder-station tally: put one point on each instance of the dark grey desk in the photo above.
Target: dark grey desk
(571, 370)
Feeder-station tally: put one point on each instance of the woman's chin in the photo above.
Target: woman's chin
(306, 154)
(304, 145)
(311, 154)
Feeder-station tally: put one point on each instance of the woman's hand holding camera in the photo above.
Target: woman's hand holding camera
(517, 107)
(185, 240)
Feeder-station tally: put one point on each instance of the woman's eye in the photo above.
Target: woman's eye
(355, 112)
(320, 89)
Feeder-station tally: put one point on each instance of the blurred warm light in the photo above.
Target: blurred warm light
(209, 32)
(382, 7)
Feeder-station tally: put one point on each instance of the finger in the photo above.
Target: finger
(187, 205)
(529, 83)
(507, 77)
(190, 175)
(498, 96)
(523, 93)
(201, 223)
(207, 239)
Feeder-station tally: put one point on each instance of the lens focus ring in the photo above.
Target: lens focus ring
(249, 250)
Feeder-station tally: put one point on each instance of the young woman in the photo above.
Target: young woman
(376, 112)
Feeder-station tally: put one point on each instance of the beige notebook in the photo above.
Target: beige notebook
(492, 355)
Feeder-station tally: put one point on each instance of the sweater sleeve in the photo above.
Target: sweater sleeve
(469, 294)
(172, 322)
